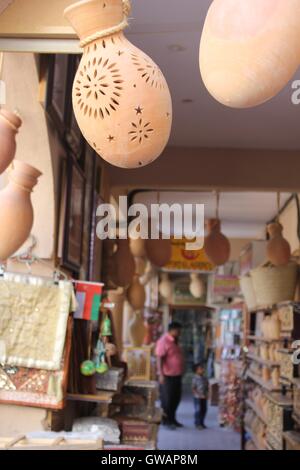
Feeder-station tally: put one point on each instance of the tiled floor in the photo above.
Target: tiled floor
(188, 438)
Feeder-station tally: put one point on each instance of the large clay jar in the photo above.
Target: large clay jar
(137, 247)
(278, 249)
(243, 43)
(122, 265)
(159, 251)
(166, 287)
(136, 294)
(216, 245)
(16, 214)
(9, 127)
(136, 330)
(121, 99)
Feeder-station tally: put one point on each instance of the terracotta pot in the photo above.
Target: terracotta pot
(216, 245)
(16, 215)
(243, 42)
(136, 294)
(159, 252)
(121, 99)
(278, 249)
(140, 266)
(137, 247)
(122, 265)
(197, 287)
(137, 330)
(9, 127)
(166, 287)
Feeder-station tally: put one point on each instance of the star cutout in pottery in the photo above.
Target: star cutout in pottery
(111, 138)
(139, 110)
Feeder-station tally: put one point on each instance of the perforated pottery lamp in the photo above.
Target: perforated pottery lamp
(249, 49)
(121, 99)
(278, 248)
(216, 245)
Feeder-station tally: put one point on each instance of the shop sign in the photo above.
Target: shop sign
(226, 286)
(185, 260)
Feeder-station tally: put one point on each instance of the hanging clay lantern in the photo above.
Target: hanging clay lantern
(136, 294)
(243, 43)
(166, 286)
(16, 214)
(121, 99)
(197, 288)
(137, 247)
(137, 330)
(159, 251)
(9, 127)
(122, 265)
(278, 248)
(216, 245)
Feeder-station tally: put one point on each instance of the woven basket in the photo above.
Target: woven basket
(247, 288)
(274, 284)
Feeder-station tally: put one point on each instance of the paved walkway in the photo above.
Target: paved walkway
(188, 438)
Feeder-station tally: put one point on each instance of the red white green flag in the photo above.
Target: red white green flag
(89, 296)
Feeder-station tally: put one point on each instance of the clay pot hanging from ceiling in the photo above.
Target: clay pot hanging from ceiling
(243, 43)
(122, 265)
(137, 247)
(16, 214)
(136, 294)
(121, 99)
(197, 287)
(166, 287)
(159, 251)
(9, 127)
(278, 248)
(216, 245)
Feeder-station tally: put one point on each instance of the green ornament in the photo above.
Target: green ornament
(87, 368)
(106, 327)
(102, 368)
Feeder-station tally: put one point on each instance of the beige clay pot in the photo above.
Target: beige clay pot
(243, 43)
(216, 245)
(137, 330)
(278, 249)
(9, 127)
(136, 294)
(16, 215)
(121, 99)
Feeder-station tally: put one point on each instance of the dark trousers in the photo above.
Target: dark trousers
(170, 394)
(200, 405)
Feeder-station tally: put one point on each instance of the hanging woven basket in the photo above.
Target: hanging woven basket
(247, 288)
(274, 284)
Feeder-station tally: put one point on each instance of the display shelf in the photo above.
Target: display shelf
(256, 410)
(264, 362)
(254, 439)
(279, 399)
(266, 385)
(151, 444)
(100, 397)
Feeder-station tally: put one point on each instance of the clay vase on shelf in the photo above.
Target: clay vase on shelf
(278, 249)
(121, 99)
(136, 294)
(243, 42)
(16, 215)
(122, 265)
(9, 127)
(216, 245)
(136, 330)
(197, 288)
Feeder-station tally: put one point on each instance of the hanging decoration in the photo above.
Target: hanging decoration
(121, 99)
(278, 248)
(166, 287)
(137, 330)
(136, 294)
(243, 43)
(216, 245)
(9, 127)
(16, 215)
(197, 287)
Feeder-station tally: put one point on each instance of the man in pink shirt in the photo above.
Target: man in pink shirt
(170, 365)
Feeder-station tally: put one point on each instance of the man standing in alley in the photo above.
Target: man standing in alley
(170, 369)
